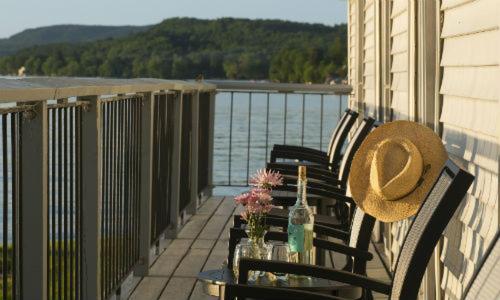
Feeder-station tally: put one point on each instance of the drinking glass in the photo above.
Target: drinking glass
(241, 250)
(281, 252)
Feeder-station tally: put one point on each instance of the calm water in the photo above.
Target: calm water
(317, 129)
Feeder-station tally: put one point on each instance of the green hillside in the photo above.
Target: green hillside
(185, 48)
(64, 34)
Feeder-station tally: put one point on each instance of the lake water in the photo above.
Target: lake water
(231, 157)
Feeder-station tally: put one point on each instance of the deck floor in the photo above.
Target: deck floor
(201, 245)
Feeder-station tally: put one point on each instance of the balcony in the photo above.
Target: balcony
(115, 188)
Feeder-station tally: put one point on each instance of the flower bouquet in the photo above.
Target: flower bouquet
(257, 203)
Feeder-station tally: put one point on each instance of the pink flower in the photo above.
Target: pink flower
(257, 202)
(243, 198)
(244, 215)
(266, 179)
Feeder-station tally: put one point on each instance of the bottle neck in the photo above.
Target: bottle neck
(301, 192)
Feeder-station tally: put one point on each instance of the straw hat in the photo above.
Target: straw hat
(394, 169)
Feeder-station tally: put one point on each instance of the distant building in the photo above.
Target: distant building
(21, 72)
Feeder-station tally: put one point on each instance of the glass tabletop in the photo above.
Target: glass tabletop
(224, 275)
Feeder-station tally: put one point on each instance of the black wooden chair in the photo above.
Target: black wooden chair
(425, 231)
(356, 250)
(329, 159)
(324, 184)
(327, 179)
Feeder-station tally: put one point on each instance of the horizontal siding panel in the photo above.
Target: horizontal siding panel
(399, 43)
(480, 15)
(369, 55)
(447, 4)
(369, 10)
(486, 284)
(399, 24)
(476, 82)
(399, 62)
(369, 69)
(369, 28)
(479, 49)
(368, 3)
(400, 105)
(369, 82)
(479, 149)
(400, 82)
(369, 42)
(476, 115)
(399, 6)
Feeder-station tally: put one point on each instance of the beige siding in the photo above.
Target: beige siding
(369, 58)
(352, 48)
(400, 93)
(470, 90)
(399, 57)
(465, 96)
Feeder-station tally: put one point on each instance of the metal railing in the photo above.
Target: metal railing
(96, 172)
(252, 116)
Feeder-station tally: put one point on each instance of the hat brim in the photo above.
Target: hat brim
(433, 153)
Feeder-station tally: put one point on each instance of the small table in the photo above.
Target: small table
(214, 282)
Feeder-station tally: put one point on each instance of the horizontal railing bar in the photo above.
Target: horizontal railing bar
(245, 86)
(121, 98)
(69, 104)
(15, 109)
(43, 88)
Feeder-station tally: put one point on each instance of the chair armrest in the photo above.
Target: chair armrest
(299, 148)
(330, 193)
(313, 177)
(247, 264)
(324, 244)
(241, 291)
(343, 249)
(298, 155)
(329, 184)
(278, 221)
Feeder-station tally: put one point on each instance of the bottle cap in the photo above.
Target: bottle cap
(302, 172)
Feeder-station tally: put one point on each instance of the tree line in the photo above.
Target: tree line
(186, 48)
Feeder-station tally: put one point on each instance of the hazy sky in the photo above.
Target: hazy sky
(17, 15)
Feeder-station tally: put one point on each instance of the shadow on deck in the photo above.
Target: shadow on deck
(202, 245)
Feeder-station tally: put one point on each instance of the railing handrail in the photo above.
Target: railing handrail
(232, 85)
(43, 88)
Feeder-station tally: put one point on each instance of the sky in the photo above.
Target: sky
(17, 15)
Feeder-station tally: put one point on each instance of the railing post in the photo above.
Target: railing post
(142, 268)
(176, 143)
(195, 107)
(91, 199)
(34, 202)
(211, 137)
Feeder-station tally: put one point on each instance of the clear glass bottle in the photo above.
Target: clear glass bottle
(300, 225)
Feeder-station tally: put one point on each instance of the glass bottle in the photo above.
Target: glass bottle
(300, 225)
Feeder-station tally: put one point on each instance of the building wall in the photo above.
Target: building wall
(470, 92)
(437, 62)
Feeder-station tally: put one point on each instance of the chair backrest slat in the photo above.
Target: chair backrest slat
(336, 132)
(340, 135)
(361, 132)
(361, 232)
(426, 229)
